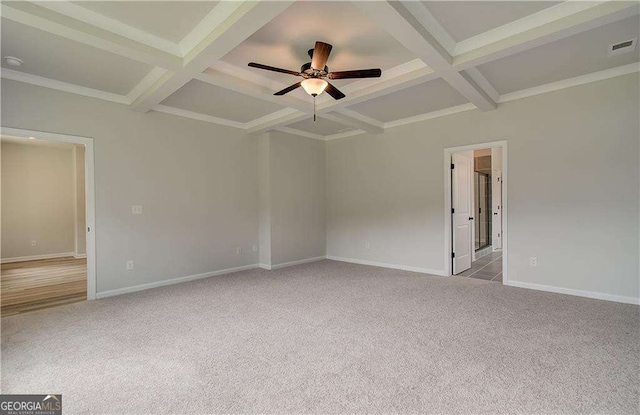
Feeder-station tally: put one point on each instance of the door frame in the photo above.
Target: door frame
(89, 188)
(448, 152)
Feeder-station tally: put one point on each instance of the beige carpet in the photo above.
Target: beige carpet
(330, 337)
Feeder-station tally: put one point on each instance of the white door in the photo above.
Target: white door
(496, 201)
(461, 180)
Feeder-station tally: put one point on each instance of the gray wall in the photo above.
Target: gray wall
(295, 189)
(196, 181)
(573, 188)
(38, 200)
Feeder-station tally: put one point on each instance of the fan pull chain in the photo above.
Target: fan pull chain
(314, 108)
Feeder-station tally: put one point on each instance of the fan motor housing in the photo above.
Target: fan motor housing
(308, 72)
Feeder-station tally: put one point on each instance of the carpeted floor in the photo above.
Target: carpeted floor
(330, 337)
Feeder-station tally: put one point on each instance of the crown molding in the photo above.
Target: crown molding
(197, 116)
(62, 86)
(571, 82)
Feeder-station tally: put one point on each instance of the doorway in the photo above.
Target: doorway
(48, 253)
(475, 211)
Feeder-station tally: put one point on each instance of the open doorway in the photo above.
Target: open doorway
(475, 220)
(47, 217)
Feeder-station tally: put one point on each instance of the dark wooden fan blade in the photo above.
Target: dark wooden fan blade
(271, 68)
(359, 73)
(334, 92)
(320, 55)
(288, 89)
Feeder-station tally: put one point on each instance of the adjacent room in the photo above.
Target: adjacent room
(322, 207)
(44, 261)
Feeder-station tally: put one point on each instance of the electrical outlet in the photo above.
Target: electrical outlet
(533, 261)
(136, 210)
(367, 245)
(254, 248)
(33, 243)
(238, 251)
(129, 265)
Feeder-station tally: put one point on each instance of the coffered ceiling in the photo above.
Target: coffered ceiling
(189, 58)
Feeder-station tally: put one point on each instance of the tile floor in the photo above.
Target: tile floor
(488, 268)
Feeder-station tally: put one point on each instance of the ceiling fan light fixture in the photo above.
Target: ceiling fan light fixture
(314, 86)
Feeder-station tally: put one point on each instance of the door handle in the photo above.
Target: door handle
(495, 213)
(470, 218)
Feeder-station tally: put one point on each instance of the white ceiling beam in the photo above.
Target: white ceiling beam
(62, 86)
(529, 35)
(407, 29)
(242, 23)
(222, 11)
(72, 29)
(419, 10)
(235, 84)
(355, 120)
(101, 21)
(198, 116)
(276, 120)
(301, 133)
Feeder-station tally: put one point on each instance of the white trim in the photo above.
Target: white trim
(555, 29)
(385, 265)
(101, 21)
(343, 135)
(578, 293)
(79, 256)
(172, 281)
(399, 22)
(214, 18)
(88, 35)
(292, 263)
(300, 133)
(509, 30)
(197, 116)
(483, 83)
(571, 82)
(153, 76)
(36, 257)
(448, 152)
(431, 24)
(62, 86)
(429, 115)
(354, 120)
(90, 196)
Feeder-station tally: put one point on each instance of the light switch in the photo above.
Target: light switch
(136, 210)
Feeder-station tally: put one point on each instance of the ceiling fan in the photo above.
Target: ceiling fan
(315, 72)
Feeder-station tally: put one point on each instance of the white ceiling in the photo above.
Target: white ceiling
(465, 19)
(170, 20)
(284, 41)
(57, 58)
(573, 56)
(189, 58)
(427, 97)
(211, 100)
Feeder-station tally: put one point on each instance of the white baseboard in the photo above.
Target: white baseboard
(36, 257)
(392, 266)
(135, 288)
(79, 256)
(292, 263)
(571, 291)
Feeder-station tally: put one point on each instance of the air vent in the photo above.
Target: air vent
(622, 47)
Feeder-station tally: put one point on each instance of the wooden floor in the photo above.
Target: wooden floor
(33, 285)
